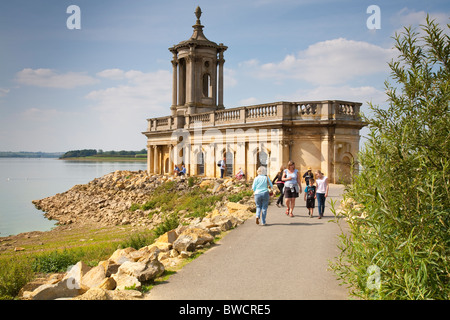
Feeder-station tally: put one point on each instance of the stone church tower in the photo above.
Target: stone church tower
(197, 73)
(321, 134)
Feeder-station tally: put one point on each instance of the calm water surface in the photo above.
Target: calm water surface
(24, 180)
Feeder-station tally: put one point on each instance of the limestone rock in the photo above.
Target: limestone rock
(142, 271)
(108, 284)
(190, 238)
(94, 294)
(110, 267)
(124, 281)
(224, 223)
(234, 206)
(184, 243)
(124, 295)
(93, 278)
(105, 294)
(168, 237)
(68, 287)
(122, 255)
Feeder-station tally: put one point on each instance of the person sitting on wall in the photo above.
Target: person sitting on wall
(182, 171)
(240, 174)
(176, 171)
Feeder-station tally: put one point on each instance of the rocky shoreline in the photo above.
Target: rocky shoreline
(106, 201)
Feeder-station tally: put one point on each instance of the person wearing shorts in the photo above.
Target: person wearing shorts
(310, 197)
(292, 186)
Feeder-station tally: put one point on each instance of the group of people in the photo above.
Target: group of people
(179, 171)
(290, 185)
(222, 164)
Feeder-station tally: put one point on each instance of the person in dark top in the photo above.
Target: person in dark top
(280, 185)
(310, 196)
(308, 175)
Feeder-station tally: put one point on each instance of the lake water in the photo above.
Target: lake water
(24, 180)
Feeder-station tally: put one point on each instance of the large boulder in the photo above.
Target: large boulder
(94, 277)
(143, 271)
(192, 237)
(122, 255)
(105, 294)
(68, 287)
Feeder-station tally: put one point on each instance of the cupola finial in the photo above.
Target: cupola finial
(198, 14)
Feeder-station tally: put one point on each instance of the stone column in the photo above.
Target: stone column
(174, 84)
(149, 159)
(276, 147)
(221, 62)
(192, 81)
(182, 82)
(327, 163)
(155, 160)
(173, 153)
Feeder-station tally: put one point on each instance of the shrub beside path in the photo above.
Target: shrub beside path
(286, 259)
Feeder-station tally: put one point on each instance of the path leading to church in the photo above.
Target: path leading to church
(286, 259)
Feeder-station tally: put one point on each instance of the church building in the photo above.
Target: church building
(200, 131)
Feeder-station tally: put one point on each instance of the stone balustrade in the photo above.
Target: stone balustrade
(273, 112)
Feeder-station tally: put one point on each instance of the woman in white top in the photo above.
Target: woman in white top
(321, 192)
(292, 186)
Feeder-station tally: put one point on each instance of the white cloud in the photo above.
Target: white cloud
(122, 110)
(140, 91)
(3, 92)
(49, 78)
(113, 74)
(358, 94)
(249, 101)
(407, 17)
(229, 78)
(41, 115)
(331, 62)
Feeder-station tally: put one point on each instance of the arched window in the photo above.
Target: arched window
(207, 86)
(200, 163)
(230, 163)
(262, 159)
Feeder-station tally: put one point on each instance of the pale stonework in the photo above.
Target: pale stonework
(199, 132)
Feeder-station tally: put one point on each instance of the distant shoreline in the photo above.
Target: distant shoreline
(106, 159)
(30, 155)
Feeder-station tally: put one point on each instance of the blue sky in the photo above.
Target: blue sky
(63, 89)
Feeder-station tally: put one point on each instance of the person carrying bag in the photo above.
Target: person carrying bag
(261, 187)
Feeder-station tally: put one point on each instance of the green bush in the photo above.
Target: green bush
(239, 196)
(138, 241)
(14, 274)
(169, 223)
(55, 261)
(398, 206)
(135, 207)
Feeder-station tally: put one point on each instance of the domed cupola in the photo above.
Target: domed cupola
(197, 73)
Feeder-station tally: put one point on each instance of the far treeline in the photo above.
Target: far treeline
(104, 154)
(26, 154)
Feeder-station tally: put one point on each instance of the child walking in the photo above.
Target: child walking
(310, 195)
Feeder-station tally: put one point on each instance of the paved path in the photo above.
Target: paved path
(286, 259)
